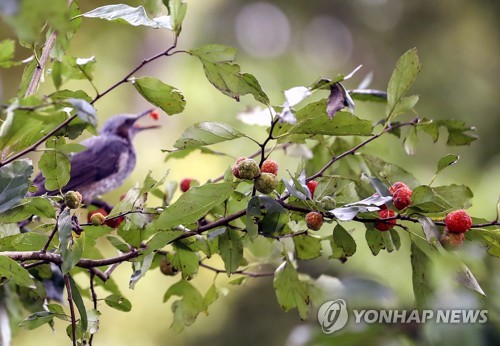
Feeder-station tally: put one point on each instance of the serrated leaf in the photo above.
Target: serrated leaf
(161, 239)
(446, 161)
(425, 200)
(118, 302)
(23, 242)
(402, 78)
(28, 71)
(231, 250)
(54, 165)
(307, 247)
(225, 76)
(206, 133)
(187, 309)
(66, 240)
(405, 105)
(312, 119)
(193, 204)
(14, 183)
(160, 94)
(135, 16)
(421, 276)
(15, 272)
(290, 291)
(342, 243)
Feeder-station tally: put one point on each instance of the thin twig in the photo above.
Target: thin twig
(94, 299)
(49, 239)
(360, 145)
(241, 272)
(71, 308)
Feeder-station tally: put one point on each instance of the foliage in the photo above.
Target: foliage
(225, 216)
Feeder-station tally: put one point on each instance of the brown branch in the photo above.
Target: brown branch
(71, 308)
(241, 272)
(360, 145)
(49, 239)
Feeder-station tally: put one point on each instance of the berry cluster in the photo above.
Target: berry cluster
(265, 178)
(456, 224)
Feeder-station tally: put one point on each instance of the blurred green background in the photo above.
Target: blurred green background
(286, 44)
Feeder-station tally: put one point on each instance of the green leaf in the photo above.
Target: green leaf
(368, 95)
(13, 270)
(231, 250)
(161, 239)
(446, 161)
(312, 120)
(23, 242)
(125, 14)
(141, 271)
(160, 94)
(458, 196)
(54, 165)
(206, 133)
(186, 261)
(14, 183)
(118, 302)
(28, 71)
(65, 238)
(489, 237)
(193, 204)
(307, 247)
(405, 105)
(411, 141)
(375, 241)
(425, 200)
(272, 219)
(37, 319)
(404, 75)
(187, 309)
(6, 53)
(421, 276)
(77, 299)
(225, 76)
(177, 12)
(290, 291)
(212, 294)
(343, 244)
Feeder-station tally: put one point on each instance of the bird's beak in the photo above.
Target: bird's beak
(138, 127)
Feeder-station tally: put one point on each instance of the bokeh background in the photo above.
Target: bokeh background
(286, 44)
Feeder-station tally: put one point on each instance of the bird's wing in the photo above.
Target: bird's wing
(98, 161)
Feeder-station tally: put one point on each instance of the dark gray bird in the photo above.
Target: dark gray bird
(106, 163)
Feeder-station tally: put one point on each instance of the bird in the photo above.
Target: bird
(107, 161)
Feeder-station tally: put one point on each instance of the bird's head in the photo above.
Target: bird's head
(124, 125)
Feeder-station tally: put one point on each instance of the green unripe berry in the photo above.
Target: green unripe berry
(266, 183)
(327, 203)
(72, 199)
(248, 169)
(97, 219)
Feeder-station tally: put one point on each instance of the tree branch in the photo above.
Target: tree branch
(71, 308)
(241, 272)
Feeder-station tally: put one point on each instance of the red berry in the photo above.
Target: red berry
(385, 225)
(458, 221)
(185, 184)
(452, 241)
(114, 223)
(314, 220)
(236, 171)
(396, 186)
(402, 197)
(312, 186)
(269, 166)
(92, 212)
(154, 114)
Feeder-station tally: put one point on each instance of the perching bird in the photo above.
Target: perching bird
(106, 163)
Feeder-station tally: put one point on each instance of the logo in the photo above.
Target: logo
(332, 315)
